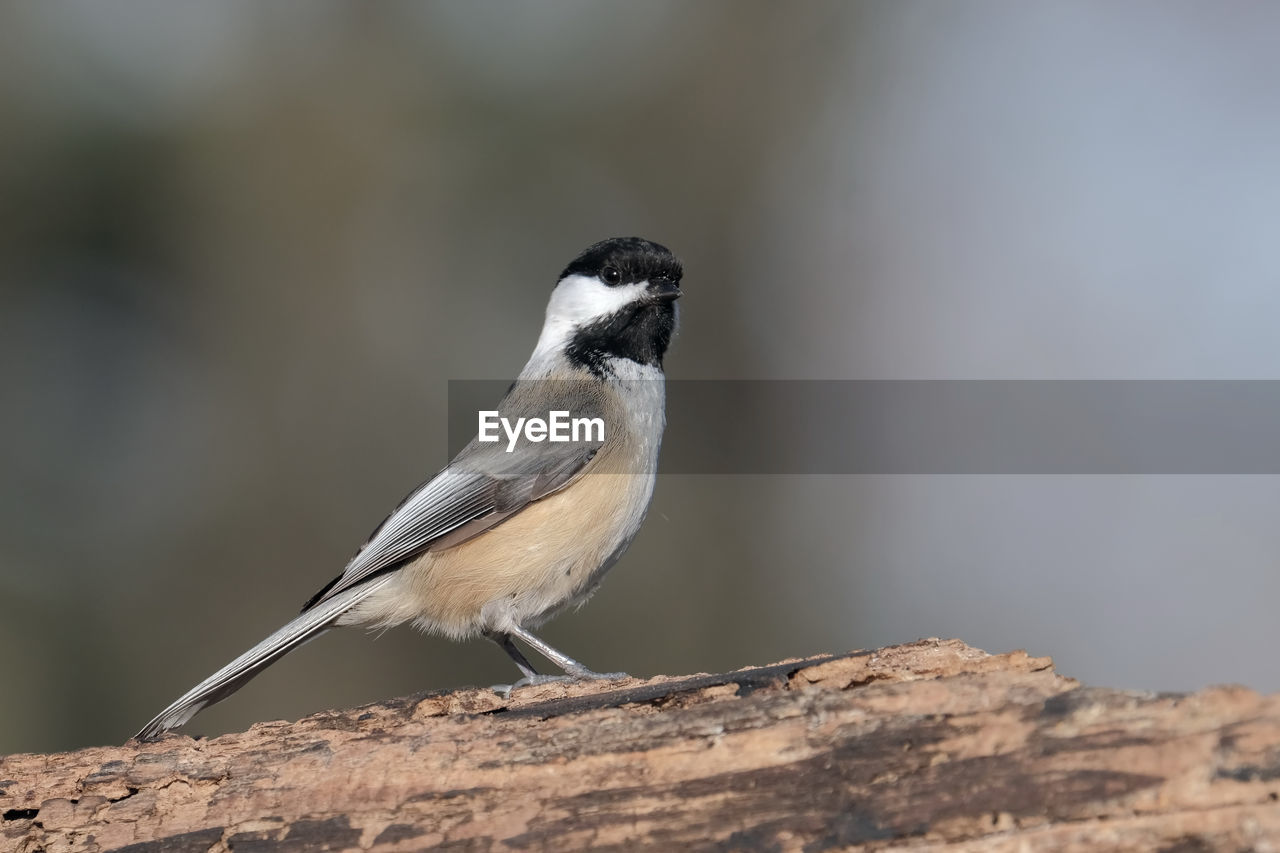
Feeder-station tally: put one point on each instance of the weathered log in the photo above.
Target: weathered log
(931, 746)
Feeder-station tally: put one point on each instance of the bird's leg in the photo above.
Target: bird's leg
(530, 675)
(571, 667)
(573, 671)
(503, 640)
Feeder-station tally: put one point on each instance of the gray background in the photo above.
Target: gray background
(244, 247)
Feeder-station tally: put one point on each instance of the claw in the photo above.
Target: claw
(584, 674)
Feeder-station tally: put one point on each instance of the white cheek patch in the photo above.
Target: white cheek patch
(577, 301)
(581, 299)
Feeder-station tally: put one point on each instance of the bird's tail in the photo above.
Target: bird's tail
(307, 626)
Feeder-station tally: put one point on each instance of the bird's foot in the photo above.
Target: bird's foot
(584, 674)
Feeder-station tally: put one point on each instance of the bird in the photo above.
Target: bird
(513, 532)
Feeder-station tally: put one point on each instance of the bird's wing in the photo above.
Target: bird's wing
(480, 488)
(483, 486)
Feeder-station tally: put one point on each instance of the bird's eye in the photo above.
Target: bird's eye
(611, 276)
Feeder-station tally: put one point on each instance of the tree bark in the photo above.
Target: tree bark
(928, 746)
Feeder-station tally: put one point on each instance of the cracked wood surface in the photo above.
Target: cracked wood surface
(927, 746)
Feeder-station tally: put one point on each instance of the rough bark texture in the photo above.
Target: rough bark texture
(930, 746)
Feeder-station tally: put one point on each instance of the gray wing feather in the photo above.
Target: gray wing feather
(482, 486)
(477, 490)
(457, 497)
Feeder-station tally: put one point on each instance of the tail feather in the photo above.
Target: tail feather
(307, 626)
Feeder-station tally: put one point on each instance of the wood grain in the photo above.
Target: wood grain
(928, 746)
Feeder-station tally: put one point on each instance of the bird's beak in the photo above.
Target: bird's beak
(664, 290)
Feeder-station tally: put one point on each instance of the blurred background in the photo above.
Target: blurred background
(244, 247)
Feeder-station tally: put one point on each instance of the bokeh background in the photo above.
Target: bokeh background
(244, 247)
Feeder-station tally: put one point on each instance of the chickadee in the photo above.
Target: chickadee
(506, 537)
